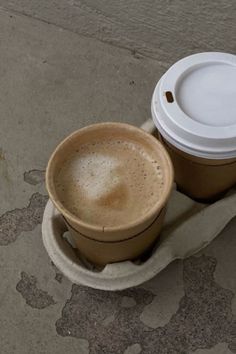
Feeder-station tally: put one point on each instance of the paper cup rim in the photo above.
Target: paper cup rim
(91, 228)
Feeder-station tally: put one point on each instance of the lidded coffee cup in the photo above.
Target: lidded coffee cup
(194, 109)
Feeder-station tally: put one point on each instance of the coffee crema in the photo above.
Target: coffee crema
(109, 182)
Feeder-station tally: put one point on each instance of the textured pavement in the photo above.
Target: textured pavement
(63, 65)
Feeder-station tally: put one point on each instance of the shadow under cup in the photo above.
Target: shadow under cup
(99, 244)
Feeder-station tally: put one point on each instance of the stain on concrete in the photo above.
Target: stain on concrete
(58, 274)
(204, 317)
(34, 177)
(59, 277)
(33, 296)
(84, 313)
(16, 221)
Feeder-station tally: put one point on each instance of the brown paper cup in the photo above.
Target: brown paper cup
(201, 178)
(111, 244)
(194, 111)
(101, 253)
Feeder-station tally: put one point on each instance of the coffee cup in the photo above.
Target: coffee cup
(194, 110)
(111, 182)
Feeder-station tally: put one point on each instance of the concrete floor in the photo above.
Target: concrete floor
(65, 64)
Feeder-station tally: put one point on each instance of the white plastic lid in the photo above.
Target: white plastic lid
(194, 105)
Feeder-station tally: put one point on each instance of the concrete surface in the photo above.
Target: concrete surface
(162, 29)
(57, 75)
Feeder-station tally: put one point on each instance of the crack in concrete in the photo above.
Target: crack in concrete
(204, 317)
(34, 177)
(137, 53)
(14, 222)
(34, 297)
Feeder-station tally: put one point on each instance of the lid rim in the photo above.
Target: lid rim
(204, 153)
(180, 129)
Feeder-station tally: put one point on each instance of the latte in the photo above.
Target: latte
(109, 182)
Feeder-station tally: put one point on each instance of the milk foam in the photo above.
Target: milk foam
(109, 183)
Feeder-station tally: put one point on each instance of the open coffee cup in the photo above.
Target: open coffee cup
(194, 110)
(111, 183)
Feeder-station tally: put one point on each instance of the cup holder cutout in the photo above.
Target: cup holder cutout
(82, 260)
